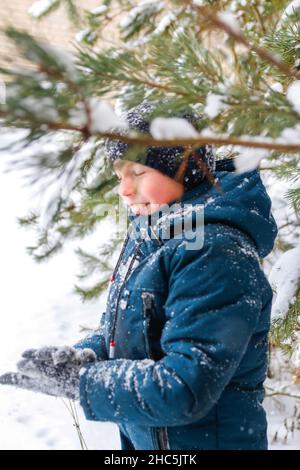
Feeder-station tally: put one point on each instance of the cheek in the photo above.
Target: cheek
(158, 190)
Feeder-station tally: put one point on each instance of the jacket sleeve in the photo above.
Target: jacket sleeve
(95, 341)
(213, 307)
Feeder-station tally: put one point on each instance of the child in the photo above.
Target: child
(180, 357)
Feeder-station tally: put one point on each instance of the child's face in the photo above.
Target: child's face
(144, 189)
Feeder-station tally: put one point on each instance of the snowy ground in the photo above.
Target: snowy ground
(38, 308)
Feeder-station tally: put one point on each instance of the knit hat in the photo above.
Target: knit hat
(167, 160)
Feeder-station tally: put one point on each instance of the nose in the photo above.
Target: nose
(126, 187)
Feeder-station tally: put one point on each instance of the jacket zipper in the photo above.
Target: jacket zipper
(111, 352)
(159, 435)
(120, 257)
(112, 343)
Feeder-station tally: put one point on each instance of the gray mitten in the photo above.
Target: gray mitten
(50, 370)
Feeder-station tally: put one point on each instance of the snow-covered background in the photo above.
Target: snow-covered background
(38, 308)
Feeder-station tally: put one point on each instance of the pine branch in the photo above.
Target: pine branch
(148, 141)
(285, 394)
(264, 54)
(71, 407)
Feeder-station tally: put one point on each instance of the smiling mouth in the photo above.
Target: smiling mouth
(140, 207)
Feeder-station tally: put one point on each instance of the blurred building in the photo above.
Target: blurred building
(56, 29)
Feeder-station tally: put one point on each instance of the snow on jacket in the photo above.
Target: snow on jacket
(190, 328)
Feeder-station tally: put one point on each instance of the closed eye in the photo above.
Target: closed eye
(119, 178)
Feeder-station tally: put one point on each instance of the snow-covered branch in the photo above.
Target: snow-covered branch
(221, 22)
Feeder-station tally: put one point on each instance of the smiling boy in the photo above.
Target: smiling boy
(180, 356)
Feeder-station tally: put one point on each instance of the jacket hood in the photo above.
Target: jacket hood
(243, 204)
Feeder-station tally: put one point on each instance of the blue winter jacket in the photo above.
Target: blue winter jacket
(190, 326)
